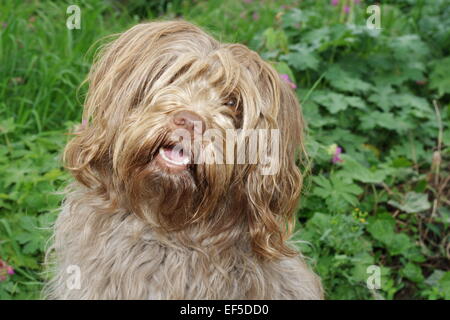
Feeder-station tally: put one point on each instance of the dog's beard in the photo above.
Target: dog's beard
(163, 183)
(173, 197)
(166, 185)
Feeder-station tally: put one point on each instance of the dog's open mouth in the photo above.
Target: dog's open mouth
(174, 158)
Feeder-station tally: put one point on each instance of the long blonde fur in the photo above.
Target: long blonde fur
(217, 231)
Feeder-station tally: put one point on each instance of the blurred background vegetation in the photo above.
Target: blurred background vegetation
(377, 103)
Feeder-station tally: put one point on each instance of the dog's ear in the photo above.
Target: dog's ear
(85, 156)
(273, 195)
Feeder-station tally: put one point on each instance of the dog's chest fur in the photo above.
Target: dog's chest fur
(120, 257)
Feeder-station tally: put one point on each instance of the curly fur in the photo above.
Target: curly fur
(137, 230)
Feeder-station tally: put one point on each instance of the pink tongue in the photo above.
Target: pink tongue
(174, 154)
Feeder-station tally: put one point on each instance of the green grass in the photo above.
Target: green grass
(371, 93)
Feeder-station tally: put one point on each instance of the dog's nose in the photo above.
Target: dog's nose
(189, 121)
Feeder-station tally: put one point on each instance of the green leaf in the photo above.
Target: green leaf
(358, 172)
(302, 59)
(385, 120)
(444, 285)
(318, 38)
(409, 100)
(399, 244)
(338, 194)
(292, 17)
(439, 77)
(356, 102)
(7, 126)
(409, 46)
(434, 278)
(440, 280)
(412, 202)
(344, 81)
(444, 215)
(275, 39)
(315, 118)
(334, 102)
(382, 96)
(381, 229)
(413, 272)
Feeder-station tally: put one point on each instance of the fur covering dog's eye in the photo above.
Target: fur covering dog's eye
(231, 102)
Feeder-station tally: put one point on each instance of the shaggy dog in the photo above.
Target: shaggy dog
(145, 219)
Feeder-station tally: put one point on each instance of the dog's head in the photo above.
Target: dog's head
(166, 111)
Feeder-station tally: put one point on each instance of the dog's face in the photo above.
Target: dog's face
(163, 100)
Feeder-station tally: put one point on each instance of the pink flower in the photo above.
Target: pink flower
(357, 1)
(336, 155)
(286, 79)
(346, 9)
(5, 270)
(255, 16)
(10, 270)
(334, 2)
